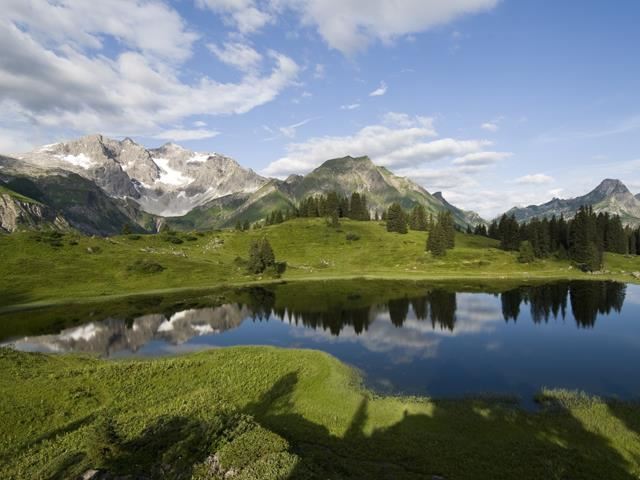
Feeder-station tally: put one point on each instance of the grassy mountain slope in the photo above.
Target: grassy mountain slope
(92, 267)
(343, 175)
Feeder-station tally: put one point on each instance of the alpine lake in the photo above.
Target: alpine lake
(445, 340)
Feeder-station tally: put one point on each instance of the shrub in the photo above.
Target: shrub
(526, 253)
(173, 239)
(134, 237)
(145, 267)
(191, 238)
(352, 237)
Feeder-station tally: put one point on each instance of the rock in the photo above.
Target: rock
(635, 274)
(91, 474)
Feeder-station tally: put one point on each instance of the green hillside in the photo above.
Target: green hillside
(270, 413)
(38, 267)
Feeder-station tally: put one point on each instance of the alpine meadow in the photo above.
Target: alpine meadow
(311, 239)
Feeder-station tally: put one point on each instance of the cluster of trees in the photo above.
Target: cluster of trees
(397, 220)
(332, 205)
(441, 232)
(442, 235)
(583, 239)
(261, 256)
(353, 207)
(243, 226)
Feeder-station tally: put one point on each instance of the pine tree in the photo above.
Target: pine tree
(436, 241)
(246, 225)
(418, 218)
(396, 219)
(261, 256)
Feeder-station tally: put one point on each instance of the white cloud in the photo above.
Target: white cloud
(381, 90)
(130, 94)
(290, 130)
(238, 55)
(319, 71)
(178, 135)
(352, 106)
(199, 123)
(534, 179)
(351, 25)
(151, 27)
(241, 14)
(397, 145)
(490, 126)
(481, 158)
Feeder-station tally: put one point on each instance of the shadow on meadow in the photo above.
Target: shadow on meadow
(472, 439)
(270, 440)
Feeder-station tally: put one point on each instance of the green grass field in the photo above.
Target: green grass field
(277, 413)
(38, 269)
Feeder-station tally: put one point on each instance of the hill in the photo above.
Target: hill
(39, 268)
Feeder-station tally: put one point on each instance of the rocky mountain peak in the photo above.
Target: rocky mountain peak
(610, 186)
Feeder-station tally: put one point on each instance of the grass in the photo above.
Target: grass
(279, 413)
(76, 266)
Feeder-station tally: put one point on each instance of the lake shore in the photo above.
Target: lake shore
(307, 416)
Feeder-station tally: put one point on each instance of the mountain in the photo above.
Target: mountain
(165, 181)
(611, 196)
(98, 185)
(69, 199)
(343, 175)
(462, 217)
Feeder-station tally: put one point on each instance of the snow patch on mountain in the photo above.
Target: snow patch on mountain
(169, 175)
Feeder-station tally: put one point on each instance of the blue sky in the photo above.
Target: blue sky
(494, 102)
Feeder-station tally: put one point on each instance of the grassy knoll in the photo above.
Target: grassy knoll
(276, 413)
(37, 267)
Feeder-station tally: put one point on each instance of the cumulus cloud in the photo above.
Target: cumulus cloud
(534, 179)
(381, 90)
(238, 55)
(151, 27)
(351, 25)
(352, 106)
(402, 141)
(241, 14)
(133, 92)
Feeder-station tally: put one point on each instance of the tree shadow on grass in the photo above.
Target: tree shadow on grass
(459, 439)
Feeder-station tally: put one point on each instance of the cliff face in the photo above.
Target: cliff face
(17, 213)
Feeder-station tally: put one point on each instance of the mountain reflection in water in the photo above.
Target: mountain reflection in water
(400, 322)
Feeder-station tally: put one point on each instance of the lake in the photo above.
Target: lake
(405, 337)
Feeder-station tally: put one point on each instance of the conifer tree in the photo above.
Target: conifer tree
(396, 219)
(418, 218)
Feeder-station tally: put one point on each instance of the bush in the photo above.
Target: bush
(526, 253)
(173, 239)
(352, 237)
(191, 238)
(134, 237)
(145, 267)
(73, 242)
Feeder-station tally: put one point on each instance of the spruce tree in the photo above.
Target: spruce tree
(418, 218)
(396, 219)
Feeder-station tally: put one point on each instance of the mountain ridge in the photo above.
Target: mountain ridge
(609, 196)
(147, 187)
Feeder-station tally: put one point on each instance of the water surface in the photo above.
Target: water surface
(405, 338)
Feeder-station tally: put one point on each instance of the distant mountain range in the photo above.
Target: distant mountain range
(610, 196)
(97, 185)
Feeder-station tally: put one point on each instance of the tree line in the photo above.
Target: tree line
(583, 239)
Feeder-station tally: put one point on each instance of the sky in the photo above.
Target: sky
(495, 103)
